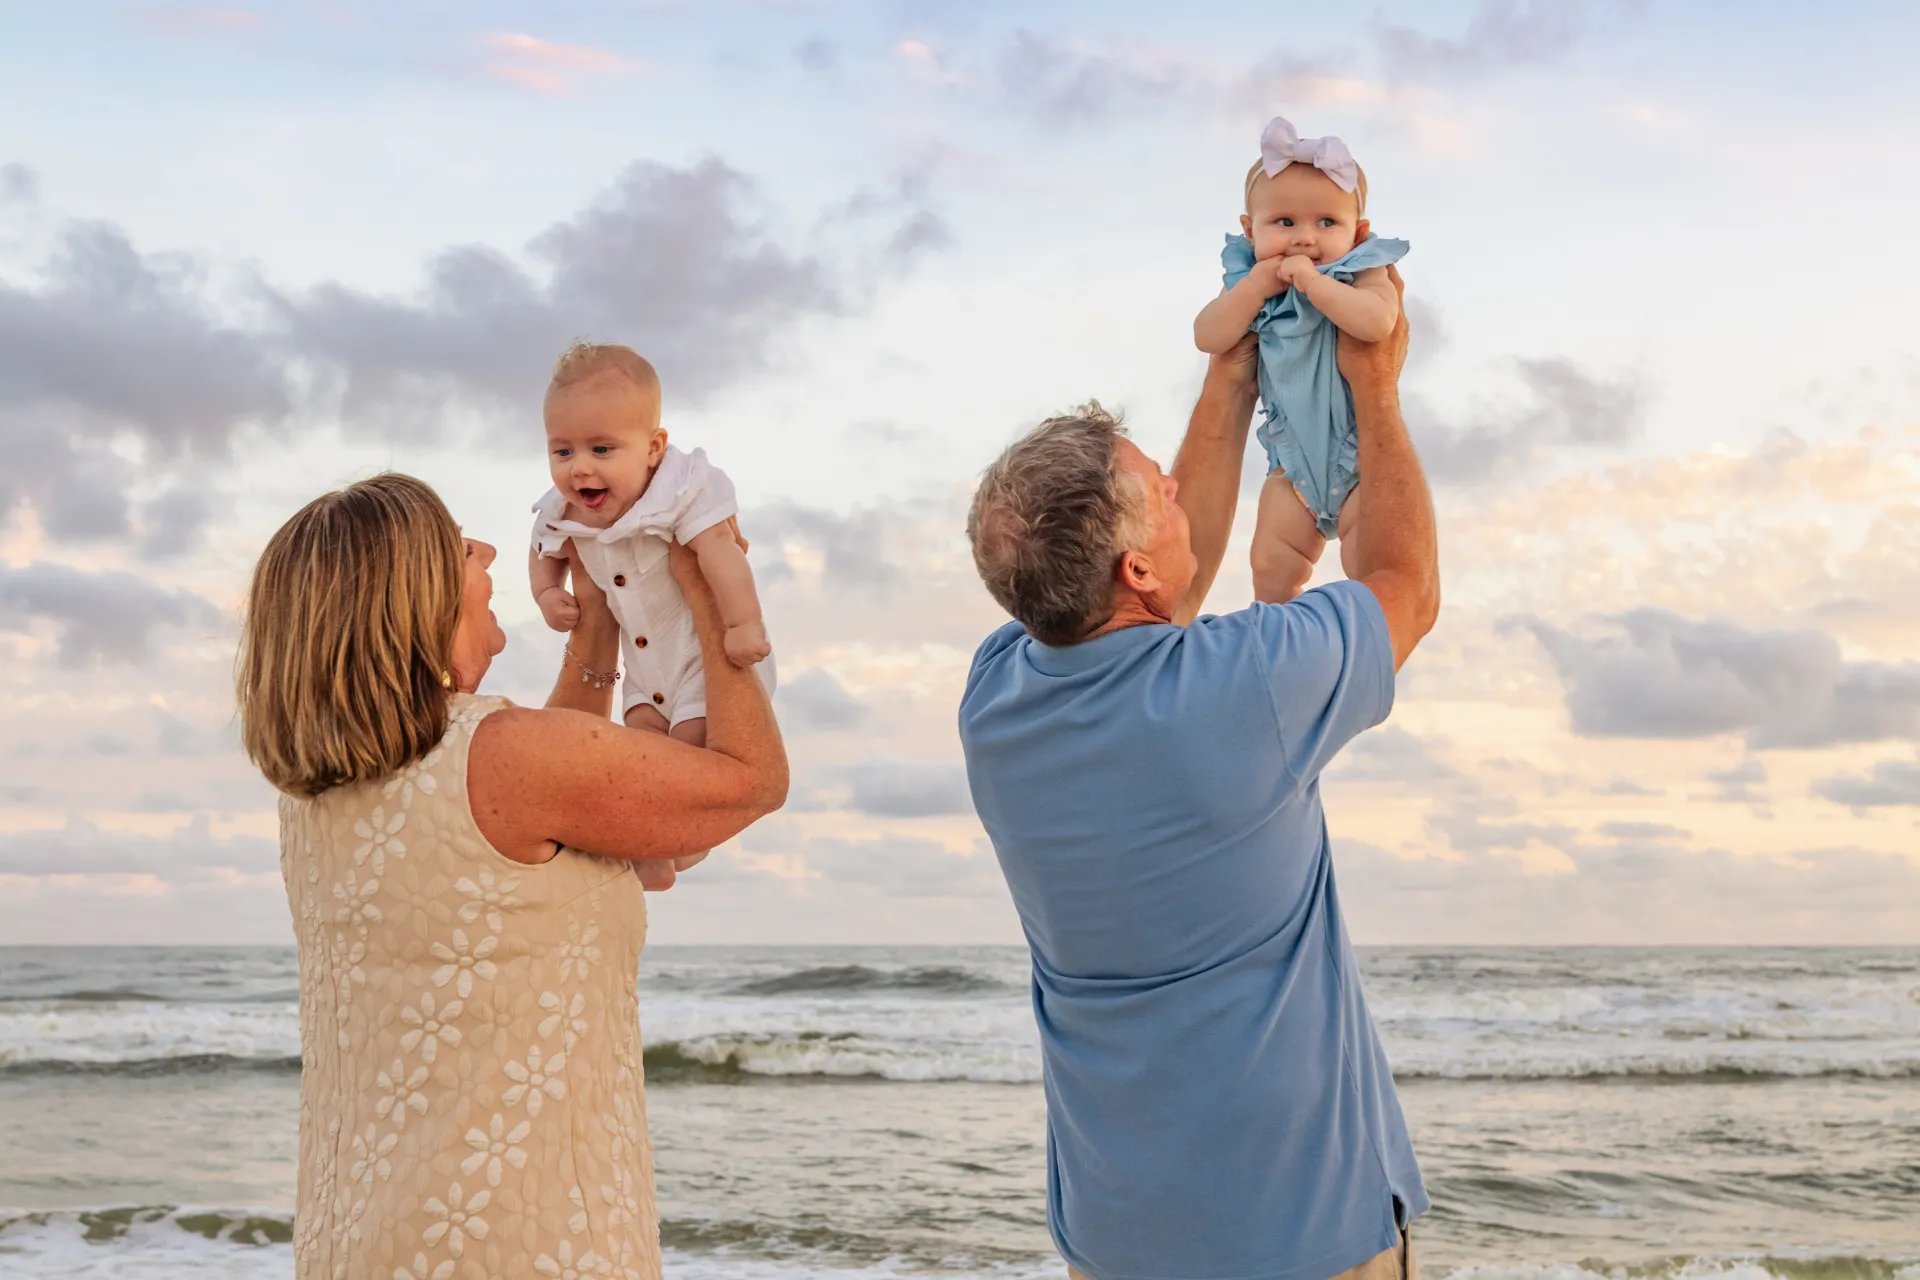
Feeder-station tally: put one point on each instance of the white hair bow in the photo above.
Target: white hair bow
(1282, 145)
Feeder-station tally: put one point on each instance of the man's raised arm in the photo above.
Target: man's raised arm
(1207, 468)
(1398, 553)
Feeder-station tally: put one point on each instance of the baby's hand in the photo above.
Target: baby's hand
(747, 643)
(1295, 268)
(1266, 277)
(559, 608)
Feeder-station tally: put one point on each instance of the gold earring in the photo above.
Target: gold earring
(446, 680)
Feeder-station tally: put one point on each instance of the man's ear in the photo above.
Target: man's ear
(1361, 230)
(1136, 572)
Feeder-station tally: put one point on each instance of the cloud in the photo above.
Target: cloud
(817, 55)
(1391, 754)
(1659, 675)
(103, 342)
(1499, 35)
(1890, 782)
(890, 787)
(1737, 785)
(80, 848)
(814, 701)
(1060, 83)
(544, 66)
(674, 262)
(854, 544)
(1632, 892)
(98, 617)
(1565, 407)
(199, 22)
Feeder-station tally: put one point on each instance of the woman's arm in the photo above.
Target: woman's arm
(569, 776)
(1224, 321)
(1367, 309)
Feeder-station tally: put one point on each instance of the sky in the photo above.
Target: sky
(1664, 380)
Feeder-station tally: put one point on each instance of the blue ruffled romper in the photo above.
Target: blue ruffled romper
(1308, 432)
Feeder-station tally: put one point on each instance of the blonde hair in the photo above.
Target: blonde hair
(585, 360)
(346, 653)
(1359, 191)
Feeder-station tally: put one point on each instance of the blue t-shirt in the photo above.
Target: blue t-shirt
(1218, 1104)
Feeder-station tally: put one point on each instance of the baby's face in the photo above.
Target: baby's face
(603, 443)
(1301, 211)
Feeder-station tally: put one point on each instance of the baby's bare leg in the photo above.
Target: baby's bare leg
(642, 716)
(1286, 542)
(1350, 530)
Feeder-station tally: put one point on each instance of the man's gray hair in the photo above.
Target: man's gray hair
(1050, 518)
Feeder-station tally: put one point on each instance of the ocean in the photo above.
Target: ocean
(859, 1113)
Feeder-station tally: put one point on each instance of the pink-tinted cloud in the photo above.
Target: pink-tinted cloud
(546, 66)
(200, 21)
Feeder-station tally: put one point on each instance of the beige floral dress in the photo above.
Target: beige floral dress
(471, 1097)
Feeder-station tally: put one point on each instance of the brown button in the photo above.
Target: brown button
(619, 579)
(639, 642)
(659, 697)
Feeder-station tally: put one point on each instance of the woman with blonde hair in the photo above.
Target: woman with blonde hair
(466, 884)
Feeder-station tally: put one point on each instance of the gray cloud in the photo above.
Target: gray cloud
(1500, 34)
(814, 700)
(82, 848)
(853, 543)
(1643, 831)
(1061, 84)
(1658, 675)
(98, 617)
(674, 262)
(1565, 407)
(889, 787)
(1391, 754)
(105, 341)
(1890, 782)
(1737, 785)
(1466, 827)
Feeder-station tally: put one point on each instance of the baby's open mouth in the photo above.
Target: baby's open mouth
(592, 499)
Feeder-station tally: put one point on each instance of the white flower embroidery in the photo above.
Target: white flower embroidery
(578, 1222)
(533, 1079)
(379, 837)
(622, 1206)
(487, 896)
(430, 1028)
(400, 1093)
(496, 1144)
(578, 952)
(419, 1269)
(356, 901)
(415, 777)
(563, 1267)
(370, 1152)
(457, 1219)
(463, 962)
(563, 1015)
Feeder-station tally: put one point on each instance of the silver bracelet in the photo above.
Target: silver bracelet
(598, 679)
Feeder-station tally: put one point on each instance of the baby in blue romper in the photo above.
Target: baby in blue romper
(1306, 264)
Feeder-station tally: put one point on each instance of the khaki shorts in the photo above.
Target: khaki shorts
(1395, 1264)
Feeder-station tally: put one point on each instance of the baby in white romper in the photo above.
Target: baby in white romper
(620, 495)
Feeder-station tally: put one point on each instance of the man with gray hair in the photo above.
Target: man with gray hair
(1218, 1104)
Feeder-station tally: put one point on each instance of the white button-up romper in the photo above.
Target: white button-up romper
(628, 560)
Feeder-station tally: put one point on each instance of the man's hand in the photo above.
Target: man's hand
(1237, 369)
(1375, 366)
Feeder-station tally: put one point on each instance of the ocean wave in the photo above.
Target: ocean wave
(851, 978)
(161, 1242)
